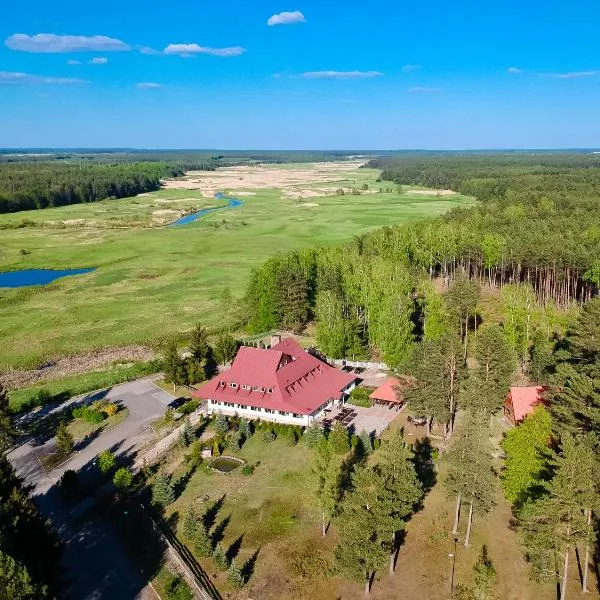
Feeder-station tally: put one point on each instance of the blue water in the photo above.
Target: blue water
(233, 203)
(25, 277)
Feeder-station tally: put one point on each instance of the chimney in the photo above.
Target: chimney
(275, 339)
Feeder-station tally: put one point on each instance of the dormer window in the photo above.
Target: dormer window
(262, 389)
(245, 387)
(270, 390)
(254, 388)
(233, 385)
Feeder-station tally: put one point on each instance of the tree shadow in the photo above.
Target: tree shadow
(173, 520)
(210, 516)
(88, 439)
(249, 566)
(424, 464)
(234, 548)
(180, 485)
(219, 532)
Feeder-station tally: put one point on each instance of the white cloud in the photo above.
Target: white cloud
(99, 60)
(8, 77)
(286, 18)
(50, 43)
(341, 74)
(149, 51)
(409, 68)
(514, 70)
(424, 90)
(73, 62)
(574, 74)
(148, 85)
(187, 50)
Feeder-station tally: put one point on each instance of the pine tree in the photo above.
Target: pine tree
(462, 299)
(174, 367)
(198, 346)
(366, 442)
(64, 439)
(470, 474)
(292, 288)
(542, 361)
(245, 429)
(235, 576)
(326, 471)
(313, 435)
(162, 490)
(8, 431)
(365, 526)
(221, 425)
(396, 465)
(195, 531)
(555, 523)
(187, 433)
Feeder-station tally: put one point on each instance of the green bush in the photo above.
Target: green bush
(178, 589)
(269, 436)
(123, 478)
(106, 461)
(189, 407)
(360, 397)
(89, 414)
(247, 469)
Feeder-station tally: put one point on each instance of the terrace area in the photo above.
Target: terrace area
(357, 418)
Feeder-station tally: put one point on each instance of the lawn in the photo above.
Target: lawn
(80, 428)
(152, 281)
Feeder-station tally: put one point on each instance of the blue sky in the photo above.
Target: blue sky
(334, 75)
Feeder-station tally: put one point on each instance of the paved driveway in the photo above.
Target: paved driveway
(145, 401)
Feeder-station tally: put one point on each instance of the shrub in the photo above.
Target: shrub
(360, 397)
(221, 425)
(110, 409)
(245, 428)
(106, 461)
(88, 413)
(216, 448)
(187, 433)
(269, 436)
(195, 455)
(291, 436)
(178, 589)
(123, 478)
(189, 407)
(338, 439)
(42, 398)
(247, 469)
(69, 480)
(235, 441)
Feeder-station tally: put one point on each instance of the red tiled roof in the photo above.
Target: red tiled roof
(386, 391)
(524, 400)
(300, 383)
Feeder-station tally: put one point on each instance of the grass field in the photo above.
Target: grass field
(150, 280)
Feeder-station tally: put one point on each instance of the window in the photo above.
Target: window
(283, 413)
(262, 389)
(270, 390)
(233, 385)
(254, 388)
(297, 416)
(245, 387)
(268, 410)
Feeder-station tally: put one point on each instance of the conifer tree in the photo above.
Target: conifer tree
(198, 346)
(234, 575)
(327, 490)
(220, 556)
(245, 429)
(16, 583)
(462, 299)
(225, 349)
(64, 439)
(365, 526)
(339, 440)
(174, 366)
(401, 481)
(187, 433)
(162, 490)
(470, 474)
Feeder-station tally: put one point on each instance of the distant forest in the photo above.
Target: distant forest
(30, 180)
(535, 235)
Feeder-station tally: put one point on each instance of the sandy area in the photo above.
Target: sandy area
(430, 192)
(308, 204)
(73, 365)
(263, 176)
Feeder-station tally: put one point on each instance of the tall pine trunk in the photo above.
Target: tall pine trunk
(456, 515)
(324, 529)
(468, 536)
(586, 560)
(393, 554)
(367, 584)
(563, 591)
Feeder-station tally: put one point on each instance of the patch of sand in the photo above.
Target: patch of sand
(264, 177)
(308, 204)
(164, 211)
(430, 192)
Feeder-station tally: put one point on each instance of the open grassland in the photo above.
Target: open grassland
(152, 281)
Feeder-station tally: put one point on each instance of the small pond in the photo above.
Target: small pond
(25, 277)
(225, 464)
(233, 203)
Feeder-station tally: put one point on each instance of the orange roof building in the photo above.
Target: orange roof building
(386, 392)
(521, 401)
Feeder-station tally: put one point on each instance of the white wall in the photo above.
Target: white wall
(244, 411)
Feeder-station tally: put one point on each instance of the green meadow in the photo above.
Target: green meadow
(153, 280)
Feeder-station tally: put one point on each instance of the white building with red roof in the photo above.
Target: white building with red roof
(283, 384)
